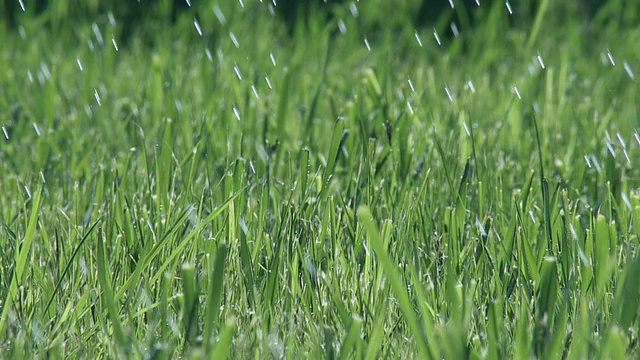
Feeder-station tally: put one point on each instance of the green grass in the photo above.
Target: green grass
(181, 196)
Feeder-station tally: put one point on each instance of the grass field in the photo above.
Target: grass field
(225, 188)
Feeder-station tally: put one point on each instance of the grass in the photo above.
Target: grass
(252, 193)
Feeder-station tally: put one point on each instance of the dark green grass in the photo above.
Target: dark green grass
(182, 196)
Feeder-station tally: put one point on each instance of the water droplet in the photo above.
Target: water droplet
(273, 59)
(42, 177)
(219, 14)
(36, 128)
(437, 37)
(366, 43)
(255, 91)
(79, 64)
(354, 9)
(411, 85)
(466, 129)
(236, 112)
(508, 5)
(478, 2)
(5, 132)
(115, 45)
(454, 29)
(627, 68)
(418, 38)
(540, 61)
(636, 136)
(610, 57)
(97, 33)
(515, 89)
(342, 26)
(266, 78)
(188, 3)
(196, 24)
(451, 4)
(21, 5)
(241, 3)
(237, 70)
(410, 107)
(586, 159)
(26, 188)
(234, 40)
(97, 96)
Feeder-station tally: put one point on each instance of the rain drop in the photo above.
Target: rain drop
(410, 107)
(540, 62)
(97, 96)
(354, 9)
(115, 45)
(237, 70)
(342, 27)
(515, 89)
(366, 43)
(266, 78)
(418, 38)
(451, 4)
(627, 68)
(478, 2)
(454, 30)
(79, 64)
(241, 3)
(411, 85)
(255, 91)
(219, 14)
(273, 59)
(611, 60)
(21, 5)
(234, 40)
(446, 89)
(5, 132)
(471, 87)
(196, 24)
(508, 5)
(208, 53)
(236, 112)
(188, 3)
(36, 128)
(437, 37)
(42, 177)
(97, 33)
(586, 159)
(112, 20)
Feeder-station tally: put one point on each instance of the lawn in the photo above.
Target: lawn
(356, 187)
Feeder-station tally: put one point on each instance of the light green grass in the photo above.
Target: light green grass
(153, 204)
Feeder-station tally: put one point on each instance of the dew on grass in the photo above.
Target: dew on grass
(97, 33)
(97, 96)
(540, 61)
(342, 26)
(273, 59)
(237, 71)
(366, 43)
(115, 45)
(627, 68)
(219, 15)
(437, 37)
(236, 112)
(5, 132)
(417, 38)
(234, 39)
(196, 24)
(515, 90)
(508, 5)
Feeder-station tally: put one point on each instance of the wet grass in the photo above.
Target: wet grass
(223, 188)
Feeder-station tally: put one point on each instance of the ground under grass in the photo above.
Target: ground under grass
(227, 187)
